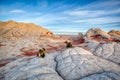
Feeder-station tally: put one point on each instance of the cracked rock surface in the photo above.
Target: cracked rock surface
(71, 64)
(109, 51)
(75, 63)
(31, 68)
(103, 76)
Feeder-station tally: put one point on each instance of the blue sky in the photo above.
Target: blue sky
(64, 15)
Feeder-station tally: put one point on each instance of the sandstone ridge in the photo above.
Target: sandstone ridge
(12, 29)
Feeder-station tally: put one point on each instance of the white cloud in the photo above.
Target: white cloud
(43, 19)
(77, 13)
(83, 14)
(101, 20)
(92, 13)
(107, 4)
(17, 11)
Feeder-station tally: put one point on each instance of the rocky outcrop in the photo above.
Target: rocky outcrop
(115, 34)
(109, 51)
(12, 29)
(77, 37)
(93, 32)
(76, 63)
(80, 35)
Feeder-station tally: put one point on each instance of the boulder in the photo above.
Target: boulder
(93, 32)
(109, 51)
(75, 63)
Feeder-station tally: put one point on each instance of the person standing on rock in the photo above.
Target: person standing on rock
(41, 53)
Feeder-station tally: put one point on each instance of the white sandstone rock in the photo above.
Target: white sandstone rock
(75, 63)
(103, 76)
(97, 31)
(109, 51)
(31, 68)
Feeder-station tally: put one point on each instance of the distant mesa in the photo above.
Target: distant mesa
(13, 29)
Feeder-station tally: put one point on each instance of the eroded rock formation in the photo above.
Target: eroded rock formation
(115, 34)
(97, 32)
(95, 56)
(12, 29)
